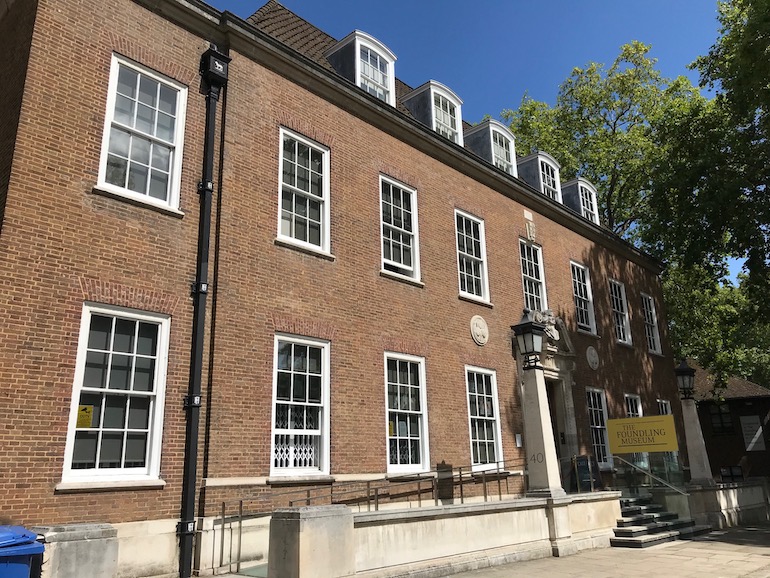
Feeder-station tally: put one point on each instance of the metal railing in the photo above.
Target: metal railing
(648, 473)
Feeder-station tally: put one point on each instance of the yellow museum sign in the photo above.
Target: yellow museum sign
(655, 433)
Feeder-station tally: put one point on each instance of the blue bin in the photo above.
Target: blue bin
(18, 546)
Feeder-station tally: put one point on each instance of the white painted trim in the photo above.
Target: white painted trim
(325, 411)
(647, 298)
(485, 291)
(416, 273)
(603, 396)
(175, 176)
(626, 313)
(495, 407)
(325, 248)
(119, 475)
(424, 466)
(109, 485)
(541, 264)
(227, 482)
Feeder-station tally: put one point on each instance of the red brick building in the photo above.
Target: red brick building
(370, 251)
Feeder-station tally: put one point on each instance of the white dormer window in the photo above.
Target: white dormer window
(374, 74)
(501, 152)
(445, 117)
(549, 180)
(588, 203)
(437, 107)
(367, 62)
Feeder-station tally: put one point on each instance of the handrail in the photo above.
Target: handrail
(653, 476)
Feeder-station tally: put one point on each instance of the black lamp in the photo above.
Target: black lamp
(685, 379)
(529, 335)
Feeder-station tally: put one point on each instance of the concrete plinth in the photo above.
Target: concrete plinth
(71, 549)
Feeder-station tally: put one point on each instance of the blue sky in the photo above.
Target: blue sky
(490, 52)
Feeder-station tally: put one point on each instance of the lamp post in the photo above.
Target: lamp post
(700, 468)
(542, 462)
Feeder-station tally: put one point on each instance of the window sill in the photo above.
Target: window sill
(624, 344)
(402, 278)
(108, 485)
(589, 333)
(166, 210)
(289, 480)
(410, 476)
(656, 354)
(476, 300)
(304, 249)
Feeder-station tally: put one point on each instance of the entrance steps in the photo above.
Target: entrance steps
(644, 524)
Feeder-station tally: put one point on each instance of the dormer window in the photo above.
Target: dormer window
(588, 203)
(367, 62)
(580, 196)
(541, 171)
(434, 105)
(445, 117)
(494, 142)
(548, 180)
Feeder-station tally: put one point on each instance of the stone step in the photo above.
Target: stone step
(635, 500)
(642, 519)
(653, 528)
(640, 509)
(694, 531)
(647, 540)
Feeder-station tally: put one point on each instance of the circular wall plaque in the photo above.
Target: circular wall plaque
(592, 356)
(479, 330)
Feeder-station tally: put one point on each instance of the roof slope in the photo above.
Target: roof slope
(737, 387)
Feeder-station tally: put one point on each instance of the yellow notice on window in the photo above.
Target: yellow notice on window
(85, 415)
(655, 433)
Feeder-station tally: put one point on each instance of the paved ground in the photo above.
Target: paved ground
(730, 553)
(721, 554)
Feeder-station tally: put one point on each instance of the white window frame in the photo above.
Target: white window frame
(496, 442)
(581, 292)
(425, 462)
(389, 88)
(601, 429)
(323, 469)
(552, 190)
(324, 246)
(455, 135)
(620, 318)
(588, 203)
(508, 165)
(532, 272)
(480, 259)
(177, 152)
(651, 331)
(633, 407)
(390, 266)
(151, 471)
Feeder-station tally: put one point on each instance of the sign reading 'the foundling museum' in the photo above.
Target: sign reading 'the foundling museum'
(655, 433)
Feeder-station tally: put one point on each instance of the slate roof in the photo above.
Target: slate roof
(297, 33)
(737, 387)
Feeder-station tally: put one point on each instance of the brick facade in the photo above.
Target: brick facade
(64, 243)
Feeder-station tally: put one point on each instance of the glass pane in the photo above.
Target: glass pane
(95, 373)
(167, 99)
(289, 149)
(120, 373)
(402, 426)
(119, 141)
(116, 171)
(303, 179)
(124, 335)
(392, 377)
(314, 360)
(392, 396)
(136, 450)
(90, 404)
(127, 81)
(139, 413)
(314, 233)
(140, 150)
(165, 128)
(314, 395)
(415, 401)
(115, 411)
(414, 426)
(313, 417)
(300, 358)
(314, 210)
(158, 185)
(99, 332)
(148, 90)
(161, 157)
(298, 391)
(145, 119)
(84, 452)
(112, 449)
(144, 374)
(148, 338)
(303, 155)
(284, 355)
(124, 110)
(393, 451)
(281, 416)
(137, 178)
(284, 386)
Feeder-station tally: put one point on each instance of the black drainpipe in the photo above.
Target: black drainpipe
(214, 71)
